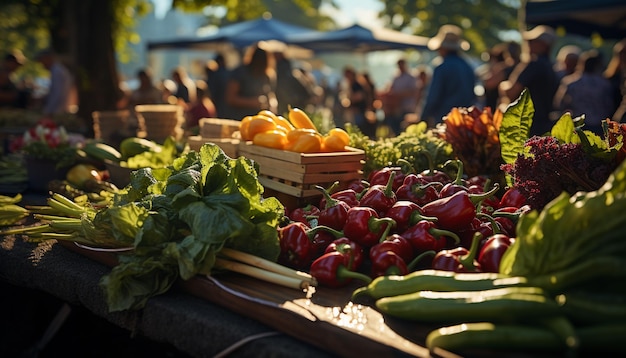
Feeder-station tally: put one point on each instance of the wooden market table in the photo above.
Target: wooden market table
(192, 325)
(208, 316)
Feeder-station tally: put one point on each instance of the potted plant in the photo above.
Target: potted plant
(48, 152)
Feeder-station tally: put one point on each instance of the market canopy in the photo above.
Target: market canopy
(239, 35)
(582, 17)
(358, 39)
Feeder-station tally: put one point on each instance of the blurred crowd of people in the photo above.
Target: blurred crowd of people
(576, 80)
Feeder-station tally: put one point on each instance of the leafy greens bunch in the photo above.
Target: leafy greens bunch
(420, 147)
(179, 217)
(568, 159)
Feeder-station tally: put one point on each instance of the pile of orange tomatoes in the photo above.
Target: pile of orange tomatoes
(297, 133)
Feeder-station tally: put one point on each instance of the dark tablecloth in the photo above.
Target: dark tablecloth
(193, 326)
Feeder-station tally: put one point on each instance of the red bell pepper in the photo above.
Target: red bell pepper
(332, 270)
(417, 190)
(431, 174)
(425, 235)
(492, 250)
(395, 243)
(406, 213)
(351, 249)
(303, 214)
(364, 227)
(512, 197)
(457, 211)
(335, 212)
(297, 246)
(457, 184)
(458, 259)
(380, 197)
(388, 263)
(381, 177)
(358, 185)
(349, 196)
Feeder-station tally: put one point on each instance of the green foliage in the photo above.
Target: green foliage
(570, 230)
(482, 20)
(178, 218)
(410, 145)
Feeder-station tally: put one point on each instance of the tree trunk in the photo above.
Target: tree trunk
(84, 36)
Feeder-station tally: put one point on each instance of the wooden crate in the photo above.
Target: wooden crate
(230, 146)
(296, 174)
(218, 128)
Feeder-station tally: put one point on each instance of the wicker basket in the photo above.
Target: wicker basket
(111, 126)
(160, 121)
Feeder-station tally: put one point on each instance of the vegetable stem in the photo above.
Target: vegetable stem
(269, 276)
(267, 265)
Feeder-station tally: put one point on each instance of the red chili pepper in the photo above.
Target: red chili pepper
(490, 203)
(512, 197)
(335, 212)
(351, 249)
(417, 190)
(388, 263)
(381, 177)
(395, 243)
(479, 180)
(297, 245)
(457, 211)
(331, 270)
(458, 183)
(491, 253)
(301, 214)
(349, 196)
(380, 197)
(364, 227)
(358, 185)
(425, 236)
(431, 174)
(406, 213)
(458, 259)
(508, 226)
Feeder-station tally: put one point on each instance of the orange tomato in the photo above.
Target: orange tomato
(271, 139)
(260, 124)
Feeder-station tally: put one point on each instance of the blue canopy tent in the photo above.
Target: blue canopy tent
(582, 17)
(358, 39)
(239, 35)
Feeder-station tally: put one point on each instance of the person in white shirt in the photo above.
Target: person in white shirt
(59, 97)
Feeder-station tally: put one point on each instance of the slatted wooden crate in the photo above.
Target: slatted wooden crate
(230, 146)
(297, 174)
(218, 127)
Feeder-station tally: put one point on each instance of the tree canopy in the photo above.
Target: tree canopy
(92, 34)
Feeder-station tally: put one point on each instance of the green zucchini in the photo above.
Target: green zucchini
(511, 304)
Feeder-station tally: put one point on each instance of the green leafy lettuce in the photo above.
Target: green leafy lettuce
(181, 216)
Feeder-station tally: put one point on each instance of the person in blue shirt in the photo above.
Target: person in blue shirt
(453, 79)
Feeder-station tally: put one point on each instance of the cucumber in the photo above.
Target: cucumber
(133, 146)
(101, 151)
